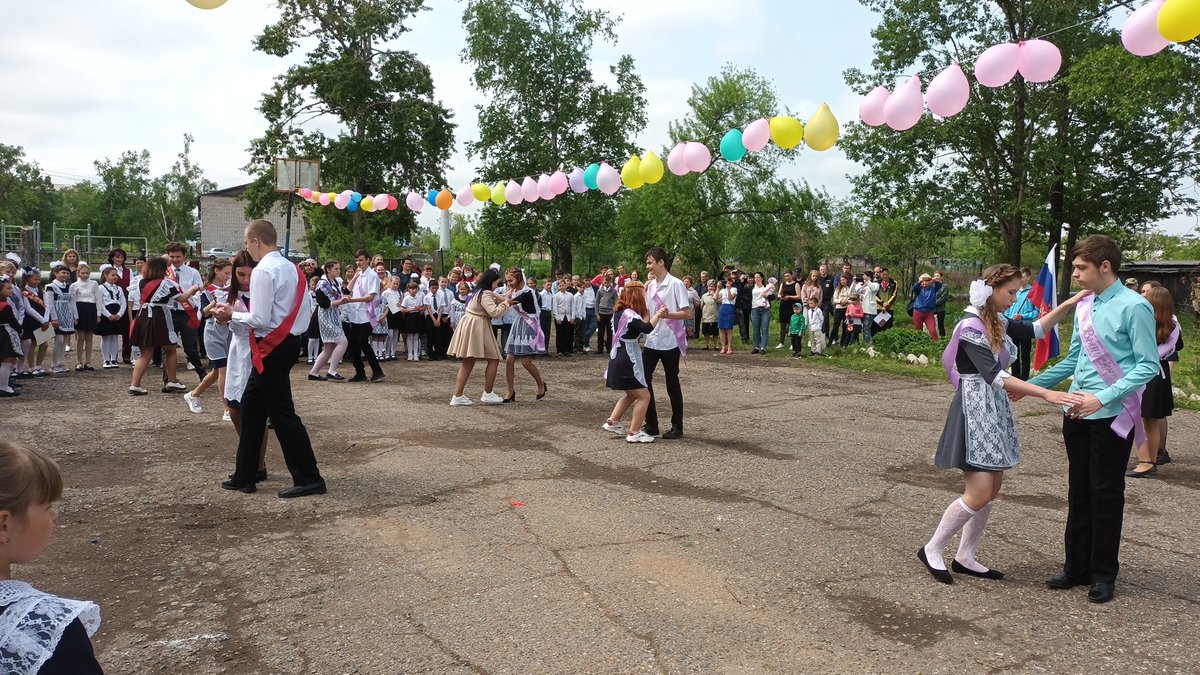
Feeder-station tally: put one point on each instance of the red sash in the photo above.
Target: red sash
(33, 296)
(193, 321)
(148, 290)
(260, 349)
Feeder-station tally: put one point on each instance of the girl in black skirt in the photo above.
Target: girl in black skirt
(86, 292)
(153, 328)
(1158, 401)
(113, 322)
(625, 372)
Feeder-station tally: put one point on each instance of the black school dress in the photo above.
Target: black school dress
(625, 370)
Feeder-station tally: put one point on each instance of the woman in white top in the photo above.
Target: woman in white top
(760, 313)
(727, 317)
(87, 298)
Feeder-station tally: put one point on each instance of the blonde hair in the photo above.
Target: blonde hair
(996, 276)
(27, 477)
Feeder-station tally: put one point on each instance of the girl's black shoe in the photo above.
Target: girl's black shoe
(990, 574)
(545, 388)
(941, 575)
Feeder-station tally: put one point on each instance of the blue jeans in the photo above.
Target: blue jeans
(760, 318)
(868, 327)
(589, 326)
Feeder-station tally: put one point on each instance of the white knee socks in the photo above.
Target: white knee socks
(956, 515)
(110, 349)
(971, 534)
(59, 355)
(6, 370)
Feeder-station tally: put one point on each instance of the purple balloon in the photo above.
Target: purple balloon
(575, 181)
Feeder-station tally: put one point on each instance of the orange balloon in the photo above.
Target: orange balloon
(445, 199)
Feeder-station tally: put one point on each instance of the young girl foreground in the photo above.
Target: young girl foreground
(625, 372)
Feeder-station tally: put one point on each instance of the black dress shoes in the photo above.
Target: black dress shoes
(258, 477)
(375, 377)
(990, 574)
(315, 378)
(1063, 580)
(652, 430)
(317, 488)
(941, 575)
(230, 485)
(1101, 592)
(673, 432)
(359, 377)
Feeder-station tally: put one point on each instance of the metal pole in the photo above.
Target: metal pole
(287, 236)
(444, 239)
(89, 244)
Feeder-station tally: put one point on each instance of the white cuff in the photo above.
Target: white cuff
(998, 383)
(1038, 331)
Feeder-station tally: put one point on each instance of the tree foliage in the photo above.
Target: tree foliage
(734, 211)
(545, 110)
(392, 135)
(1106, 145)
(26, 194)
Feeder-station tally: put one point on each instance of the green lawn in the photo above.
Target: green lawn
(1186, 375)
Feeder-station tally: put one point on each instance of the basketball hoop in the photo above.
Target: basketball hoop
(293, 174)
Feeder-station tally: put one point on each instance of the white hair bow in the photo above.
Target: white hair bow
(980, 292)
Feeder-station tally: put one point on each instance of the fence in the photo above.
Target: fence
(36, 250)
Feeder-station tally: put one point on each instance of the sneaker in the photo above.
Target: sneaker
(639, 437)
(615, 427)
(490, 398)
(461, 400)
(190, 366)
(193, 403)
(225, 417)
(172, 387)
(779, 346)
(137, 391)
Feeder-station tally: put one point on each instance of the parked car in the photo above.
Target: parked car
(214, 253)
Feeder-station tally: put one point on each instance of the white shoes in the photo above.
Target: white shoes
(779, 346)
(226, 417)
(461, 400)
(193, 403)
(175, 386)
(137, 391)
(490, 398)
(615, 427)
(639, 437)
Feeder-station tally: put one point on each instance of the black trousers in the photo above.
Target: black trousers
(1022, 363)
(359, 337)
(268, 396)
(604, 334)
(742, 316)
(546, 318)
(670, 361)
(827, 312)
(564, 335)
(839, 318)
(1096, 458)
(797, 344)
(191, 343)
(438, 340)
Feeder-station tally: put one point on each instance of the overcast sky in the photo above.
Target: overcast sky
(92, 79)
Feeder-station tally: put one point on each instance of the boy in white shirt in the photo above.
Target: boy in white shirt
(563, 307)
(814, 321)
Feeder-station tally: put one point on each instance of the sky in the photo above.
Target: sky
(92, 79)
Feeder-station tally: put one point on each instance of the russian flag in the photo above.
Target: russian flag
(1044, 296)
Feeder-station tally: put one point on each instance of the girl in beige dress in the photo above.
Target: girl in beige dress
(474, 339)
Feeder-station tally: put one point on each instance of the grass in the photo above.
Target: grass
(1186, 375)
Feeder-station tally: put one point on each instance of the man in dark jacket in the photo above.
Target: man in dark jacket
(827, 282)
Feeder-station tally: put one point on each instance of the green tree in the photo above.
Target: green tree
(392, 135)
(176, 194)
(531, 59)
(1026, 159)
(127, 204)
(734, 210)
(26, 194)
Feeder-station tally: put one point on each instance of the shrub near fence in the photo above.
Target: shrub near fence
(909, 341)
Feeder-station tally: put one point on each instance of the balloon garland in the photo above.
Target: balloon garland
(820, 133)
(1147, 31)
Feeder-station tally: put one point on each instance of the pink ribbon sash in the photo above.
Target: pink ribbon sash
(539, 342)
(1130, 417)
(950, 355)
(1167, 348)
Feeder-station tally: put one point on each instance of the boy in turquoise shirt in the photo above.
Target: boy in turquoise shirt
(1114, 333)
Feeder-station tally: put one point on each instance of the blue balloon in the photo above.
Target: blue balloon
(352, 206)
(732, 147)
(589, 176)
(355, 197)
(431, 197)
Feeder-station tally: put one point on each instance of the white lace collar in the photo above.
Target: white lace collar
(33, 622)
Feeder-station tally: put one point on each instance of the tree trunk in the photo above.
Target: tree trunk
(560, 257)
(1064, 281)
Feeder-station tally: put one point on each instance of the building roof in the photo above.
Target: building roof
(1161, 266)
(235, 191)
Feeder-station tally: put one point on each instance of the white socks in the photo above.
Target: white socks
(971, 533)
(956, 515)
(6, 370)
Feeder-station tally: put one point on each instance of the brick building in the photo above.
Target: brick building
(223, 220)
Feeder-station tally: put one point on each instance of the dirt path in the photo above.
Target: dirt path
(778, 535)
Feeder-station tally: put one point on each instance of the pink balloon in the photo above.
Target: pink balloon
(1140, 34)
(756, 135)
(341, 201)
(903, 109)
(559, 183)
(512, 193)
(306, 193)
(677, 160)
(698, 157)
(609, 179)
(393, 203)
(949, 92)
(529, 190)
(414, 202)
(998, 65)
(346, 193)
(1040, 60)
(870, 110)
(324, 199)
(465, 196)
(575, 180)
(545, 191)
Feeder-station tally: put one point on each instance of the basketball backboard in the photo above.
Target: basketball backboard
(292, 174)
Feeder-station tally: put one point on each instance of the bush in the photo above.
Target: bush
(908, 341)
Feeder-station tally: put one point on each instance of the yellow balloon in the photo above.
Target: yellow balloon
(631, 173)
(498, 194)
(366, 203)
(206, 4)
(787, 132)
(651, 168)
(821, 132)
(1179, 20)
(481, 192)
